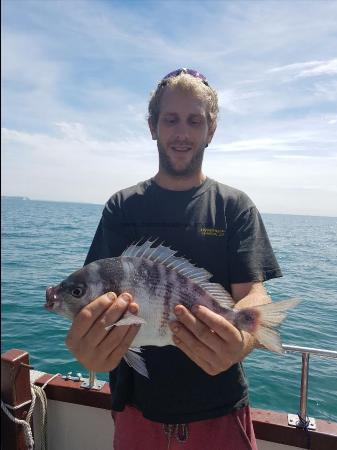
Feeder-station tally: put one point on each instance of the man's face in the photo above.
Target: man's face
(182, 132)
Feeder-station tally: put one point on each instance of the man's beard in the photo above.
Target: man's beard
(192, 167)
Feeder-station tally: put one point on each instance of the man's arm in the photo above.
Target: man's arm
(249, 294)
(209, 339)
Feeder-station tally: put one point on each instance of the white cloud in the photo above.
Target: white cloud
(73, 164)
(92, 169)
(73, 131)
(250, 145)
(72, 143)
(309, 68)
(323, 68)
(281, 185)
(237, 100)
(77, 77)
(302, 140)
(326, 91)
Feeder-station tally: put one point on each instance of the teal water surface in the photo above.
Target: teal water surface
(43, 242)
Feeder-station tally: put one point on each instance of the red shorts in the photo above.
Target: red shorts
(233, 431)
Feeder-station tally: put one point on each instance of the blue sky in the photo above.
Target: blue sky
(76, 79)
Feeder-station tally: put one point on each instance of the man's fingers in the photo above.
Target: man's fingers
(219, 324)
(202, 331)
(195, 357)
(133, 308)
(111, 316)
(194, 343)
(206, 338)
(88, 316)
(116, 310)
(124, 344)
(90, 322)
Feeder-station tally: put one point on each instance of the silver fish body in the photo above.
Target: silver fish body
(158, 281)
(157, 289)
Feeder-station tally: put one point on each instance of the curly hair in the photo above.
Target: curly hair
(186, 83)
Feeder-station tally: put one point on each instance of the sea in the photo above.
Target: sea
(43, 242)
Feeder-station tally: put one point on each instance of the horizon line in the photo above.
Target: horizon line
(26, 198)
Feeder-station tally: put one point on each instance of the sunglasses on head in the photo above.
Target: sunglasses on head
(192, 72)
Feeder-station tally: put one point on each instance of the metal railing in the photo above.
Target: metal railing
(302, 420)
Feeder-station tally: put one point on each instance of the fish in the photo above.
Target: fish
(159, 280)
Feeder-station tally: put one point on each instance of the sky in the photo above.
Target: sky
(77, 75)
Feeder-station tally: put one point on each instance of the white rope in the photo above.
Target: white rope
(24, 423)
(37, 393)
(17, 406)
(42, 418)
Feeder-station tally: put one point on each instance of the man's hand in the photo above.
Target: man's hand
(94, 347)
(208, 339)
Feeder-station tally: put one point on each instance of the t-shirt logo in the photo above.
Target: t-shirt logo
(206, 231)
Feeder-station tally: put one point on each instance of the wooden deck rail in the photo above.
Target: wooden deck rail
(15, 389)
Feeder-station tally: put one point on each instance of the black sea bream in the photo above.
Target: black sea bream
(158, 281)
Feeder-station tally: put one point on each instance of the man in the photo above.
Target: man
(197, 393)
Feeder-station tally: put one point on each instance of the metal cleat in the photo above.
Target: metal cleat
(97, 385)
(69, 376)
(294, 420)
(92, 382)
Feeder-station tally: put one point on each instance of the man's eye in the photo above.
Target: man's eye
(195, 121)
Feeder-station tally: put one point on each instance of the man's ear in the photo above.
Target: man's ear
(211, 132)
(153, 130)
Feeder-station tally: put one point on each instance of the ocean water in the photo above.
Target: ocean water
(43, 242)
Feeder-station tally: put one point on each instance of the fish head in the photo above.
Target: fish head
(75, 292)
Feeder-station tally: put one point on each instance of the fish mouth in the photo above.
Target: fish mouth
(51, 298)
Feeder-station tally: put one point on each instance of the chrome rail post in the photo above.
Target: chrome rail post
(304, 389)
(301, 420)
(92, 382)
(92, 378)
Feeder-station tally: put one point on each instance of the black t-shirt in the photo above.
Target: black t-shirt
(216, 227)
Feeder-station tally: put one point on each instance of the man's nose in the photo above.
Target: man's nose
(182, 131)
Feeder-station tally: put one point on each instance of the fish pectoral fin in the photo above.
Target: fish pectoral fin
(127, 319)
(135, 349)
(135, 361)
(130, 320)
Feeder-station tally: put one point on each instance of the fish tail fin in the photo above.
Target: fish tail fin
(266, 320)
(269, 339)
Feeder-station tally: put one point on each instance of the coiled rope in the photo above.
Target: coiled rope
(37, 393)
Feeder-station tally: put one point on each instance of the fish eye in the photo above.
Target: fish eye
(77, 292)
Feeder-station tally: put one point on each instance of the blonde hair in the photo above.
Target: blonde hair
(186, 83)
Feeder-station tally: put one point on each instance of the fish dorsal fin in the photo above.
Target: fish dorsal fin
(135, 250)
(165, 255)
(219, 293)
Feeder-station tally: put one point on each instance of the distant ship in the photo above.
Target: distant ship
(13, 197)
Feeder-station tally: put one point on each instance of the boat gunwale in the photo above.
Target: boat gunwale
(17, 378)
(268, 425)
